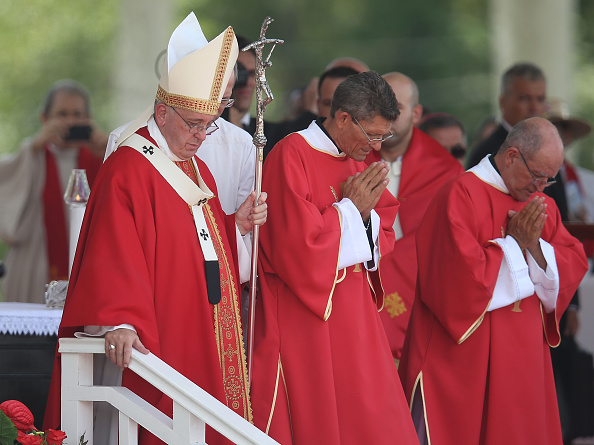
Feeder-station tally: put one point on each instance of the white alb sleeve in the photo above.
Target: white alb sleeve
(354, 246)
(244, 247)
(100, 331)
(546, 283)
(513, 282)
(375, 228)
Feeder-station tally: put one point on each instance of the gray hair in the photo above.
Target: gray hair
(524, 70)
(527, 136)
(364, 96)
(67, 86)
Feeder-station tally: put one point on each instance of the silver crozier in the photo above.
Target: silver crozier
(263, 97)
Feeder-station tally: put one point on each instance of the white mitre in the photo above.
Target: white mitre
(195, 72)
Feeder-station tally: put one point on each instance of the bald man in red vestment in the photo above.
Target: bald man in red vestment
(419, 167)
(497, 269)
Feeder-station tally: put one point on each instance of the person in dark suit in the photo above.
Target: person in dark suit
(568, 195)
(523, 95)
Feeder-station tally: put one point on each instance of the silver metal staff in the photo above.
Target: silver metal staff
(262, 88)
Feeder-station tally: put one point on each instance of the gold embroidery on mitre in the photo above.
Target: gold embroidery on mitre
(219, 76)
(394, 304)
(201, 106)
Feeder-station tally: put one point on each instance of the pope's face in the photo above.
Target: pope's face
(353, 139)
(182, 142)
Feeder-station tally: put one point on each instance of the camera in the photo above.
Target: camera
(79, 133)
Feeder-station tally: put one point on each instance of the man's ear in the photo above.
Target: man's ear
(341, 118)
(417, 113)
(160, 114)
(511, 153)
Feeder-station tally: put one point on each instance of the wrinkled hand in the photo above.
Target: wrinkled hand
(527, 224)
(365, 188)
(123, 340)
(248, 215)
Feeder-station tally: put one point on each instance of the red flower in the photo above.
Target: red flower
(30, 439)
(19, 414)
(54, 437)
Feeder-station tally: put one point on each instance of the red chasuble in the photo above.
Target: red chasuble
(139, 262)
(56, 229)
(485, 377)
(322, 370)
(426, 167)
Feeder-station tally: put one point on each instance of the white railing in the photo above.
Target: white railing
(193, 408)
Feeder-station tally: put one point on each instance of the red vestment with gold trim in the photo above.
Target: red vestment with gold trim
(426, 167)
(485, 376)
(139, 262)
(322, 370)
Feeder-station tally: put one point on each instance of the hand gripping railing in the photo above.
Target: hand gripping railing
(193, 408)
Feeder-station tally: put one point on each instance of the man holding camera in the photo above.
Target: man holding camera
(34, 218)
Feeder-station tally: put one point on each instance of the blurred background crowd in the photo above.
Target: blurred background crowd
(455, 50)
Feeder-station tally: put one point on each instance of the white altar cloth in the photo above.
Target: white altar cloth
(29, 319)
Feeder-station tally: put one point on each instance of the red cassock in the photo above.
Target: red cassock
(485, 376)
(426, 167)
(322, 371)
(139, 261)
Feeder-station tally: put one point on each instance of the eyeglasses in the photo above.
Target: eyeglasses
(372, 140)
(537, 181)
(194, 129)
(229, 103)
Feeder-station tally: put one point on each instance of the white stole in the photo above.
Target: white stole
(195, 196)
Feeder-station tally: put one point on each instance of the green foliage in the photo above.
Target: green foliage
(8, 432)
(43, 42)
(82, 441)
(444, 45)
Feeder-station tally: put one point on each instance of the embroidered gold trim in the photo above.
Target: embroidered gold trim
(273, 406)
(492, 185)
(219, 76)
(237, 331)
(329, 305)
(287, 397)
(340, 155)
(544, 327)
(418, 382)
(472, 328)
(201, 106)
